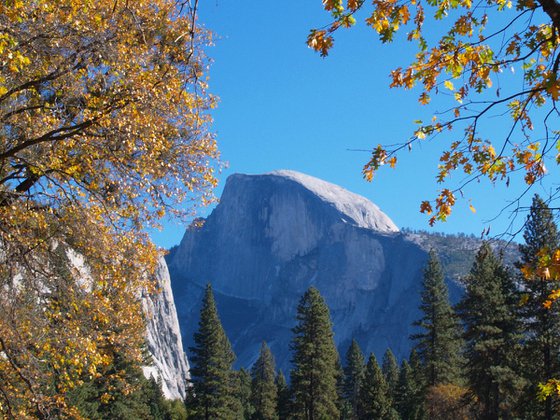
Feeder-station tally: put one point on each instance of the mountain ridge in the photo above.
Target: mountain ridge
(274, 235)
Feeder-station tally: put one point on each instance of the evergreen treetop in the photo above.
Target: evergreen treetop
(375, 401)
(283, 396)
(390, 369)
(211, 365)
(315, 373)
(264, 393)
(489, 310)
(439, 342)
(353, 376)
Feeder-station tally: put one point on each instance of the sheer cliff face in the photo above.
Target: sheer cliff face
(274, 235)
(164, 338)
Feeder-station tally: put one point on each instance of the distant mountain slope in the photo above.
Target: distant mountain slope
(274, 235)
(457, 251)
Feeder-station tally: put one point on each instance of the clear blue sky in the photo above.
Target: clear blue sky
(282, 106)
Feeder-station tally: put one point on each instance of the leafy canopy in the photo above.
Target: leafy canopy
(104, 129)
(467, 51)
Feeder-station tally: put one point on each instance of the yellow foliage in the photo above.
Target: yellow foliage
(466, 58)
(446, 401)
(104, 132)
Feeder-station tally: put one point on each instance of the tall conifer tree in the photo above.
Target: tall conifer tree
(264, 394)
(243, 403)
(375, 401)
(542, 324)
(489, 310)
(353, 376)
(211, 366)
(390, 370)
(315, 373)
(408, 396)
(283, 396)
(439, 344)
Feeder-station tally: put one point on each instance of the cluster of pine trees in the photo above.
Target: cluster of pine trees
(482, 358)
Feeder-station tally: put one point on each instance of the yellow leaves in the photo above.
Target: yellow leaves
(379, 158)
(444, 203)
(132, 140)
(546, 268)
(549, 388)
(471, 208)
(449, 85)
(333, 5)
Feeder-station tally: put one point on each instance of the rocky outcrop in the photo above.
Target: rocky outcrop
(170, 364)
(274, 235)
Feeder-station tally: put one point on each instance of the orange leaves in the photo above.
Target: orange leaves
(424, 98)
(546, 268)
(379, 157)
(320, 41)
(531, 160)
(463, 62)
(353, 5)
(387, 17)
(443, 205)
(426, 207)
(552, 85)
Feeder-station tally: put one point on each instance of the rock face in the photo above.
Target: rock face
(164, 338)
(273, 236)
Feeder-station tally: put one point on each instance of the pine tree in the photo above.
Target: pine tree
(342, 404)
(408, 395)
(314, 377)
(418, 370)
(211, 370)
(243, 382)
(264, 393)
(283, 396)
(541, 324)
(375, 401)
(390, 370)
(353, 376)
(492, 336)
(440, 342)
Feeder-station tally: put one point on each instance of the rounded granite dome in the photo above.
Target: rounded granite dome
(358, 209)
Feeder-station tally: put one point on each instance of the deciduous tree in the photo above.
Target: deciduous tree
(497, 58)
(104, 129)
